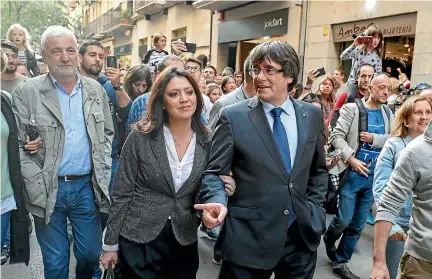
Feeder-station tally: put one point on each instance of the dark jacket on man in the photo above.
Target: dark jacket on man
(256, 227)
(19, 237)
(32, 65)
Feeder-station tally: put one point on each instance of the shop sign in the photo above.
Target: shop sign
(400, 25)
(267, 24)
(122, 50)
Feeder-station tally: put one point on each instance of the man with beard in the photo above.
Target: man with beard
(91, 57)
(10, 78)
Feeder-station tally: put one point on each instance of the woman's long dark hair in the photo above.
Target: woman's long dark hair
(134, 74)
(156, 116)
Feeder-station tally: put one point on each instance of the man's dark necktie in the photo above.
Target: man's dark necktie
(281, 138)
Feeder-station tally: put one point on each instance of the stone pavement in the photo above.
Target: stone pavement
(361, 263)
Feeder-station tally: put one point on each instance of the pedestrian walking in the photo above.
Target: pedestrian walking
(274, 221)
(68, 177)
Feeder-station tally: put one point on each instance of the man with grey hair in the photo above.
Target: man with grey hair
(68, 176)
(274, 147)
(138, 108)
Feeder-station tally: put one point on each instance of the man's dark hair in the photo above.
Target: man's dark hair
(203, 60)
(161, 65)
(8, 44)
(211, 67)
(83, 47)
(364, 65)
(281, 53)
(194, 61)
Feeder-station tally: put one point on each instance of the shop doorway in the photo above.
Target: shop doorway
(397, 52)
(247, 46)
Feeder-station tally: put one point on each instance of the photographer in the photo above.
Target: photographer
(365, 49)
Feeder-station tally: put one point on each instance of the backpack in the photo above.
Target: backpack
(332, 195)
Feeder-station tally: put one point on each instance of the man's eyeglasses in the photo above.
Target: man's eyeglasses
(266, 71)
(192, 69)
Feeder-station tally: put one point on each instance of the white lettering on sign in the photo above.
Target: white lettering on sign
(272, 23)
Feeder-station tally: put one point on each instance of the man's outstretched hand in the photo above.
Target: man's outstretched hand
(213, 215)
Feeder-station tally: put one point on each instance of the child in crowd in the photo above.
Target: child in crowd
(366, 49)
(156, 54)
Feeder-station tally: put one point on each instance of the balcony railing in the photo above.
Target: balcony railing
(142, 3)
(94, 28)
(107, 22)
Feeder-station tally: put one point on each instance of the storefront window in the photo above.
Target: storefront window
(398, 53)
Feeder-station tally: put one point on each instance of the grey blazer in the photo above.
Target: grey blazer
(345, 135)
(231, 98)
(144, 196)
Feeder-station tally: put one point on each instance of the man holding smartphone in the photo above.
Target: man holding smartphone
(359, 153)
(92, 58)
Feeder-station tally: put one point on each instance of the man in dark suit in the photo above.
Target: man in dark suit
(274, 147)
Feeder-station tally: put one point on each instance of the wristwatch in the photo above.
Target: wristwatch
(308, 87)
(118, 87)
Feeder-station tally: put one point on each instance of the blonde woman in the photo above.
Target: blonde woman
(411, 121)
(214, 92)
(326, 92)
(20, 36)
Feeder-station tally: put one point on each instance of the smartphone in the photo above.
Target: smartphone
(191, 47)
(321, 72)
(366, 40)
(111, 61)
(332, 154)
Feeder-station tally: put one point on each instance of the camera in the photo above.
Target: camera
(405, 91)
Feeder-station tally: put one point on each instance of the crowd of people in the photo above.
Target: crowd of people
(128, 163)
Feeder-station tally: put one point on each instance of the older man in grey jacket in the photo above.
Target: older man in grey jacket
(411, 174)
(69, 175)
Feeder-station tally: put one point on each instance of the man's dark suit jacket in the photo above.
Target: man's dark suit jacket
(256, 227)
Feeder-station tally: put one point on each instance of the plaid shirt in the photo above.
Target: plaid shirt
(137, 111)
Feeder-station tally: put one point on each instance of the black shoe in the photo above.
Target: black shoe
(4, 254)
(330, 249)
(343, 271)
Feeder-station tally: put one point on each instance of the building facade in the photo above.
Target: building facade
(331, 24)
(225, 31)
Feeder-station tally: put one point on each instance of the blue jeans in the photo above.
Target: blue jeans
(5, 227)
(355, 201)
(114, 168)
(76, 202)
(394, 252)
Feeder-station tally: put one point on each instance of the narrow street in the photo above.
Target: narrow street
(361, 263)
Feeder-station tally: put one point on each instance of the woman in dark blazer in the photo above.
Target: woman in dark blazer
(152, 225)
(12, 183)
